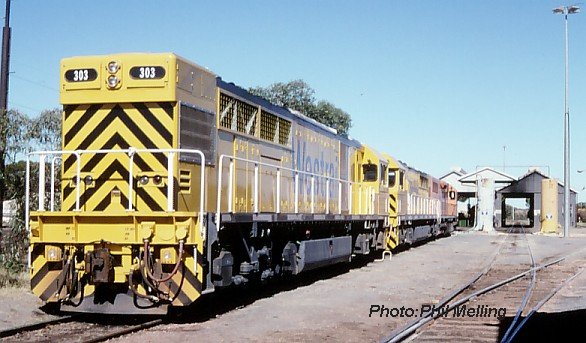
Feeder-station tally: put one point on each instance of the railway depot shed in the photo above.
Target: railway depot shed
(467, 186)
(520, 203)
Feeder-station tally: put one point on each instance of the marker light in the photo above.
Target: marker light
(157, 179)
(143, 180)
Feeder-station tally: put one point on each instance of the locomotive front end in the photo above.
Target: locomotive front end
(123, 228)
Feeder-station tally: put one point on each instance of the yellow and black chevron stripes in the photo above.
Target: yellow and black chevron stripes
(393, 204)
(116, 126)
(186, 286)
(391, 238)
(44, 275)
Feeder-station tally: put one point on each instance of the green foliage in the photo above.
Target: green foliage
(295, 94)
(332, 116)
(13, 252)
(23, 134)
(298, 95)
(10, 278)
(18, 134)
(46, 130)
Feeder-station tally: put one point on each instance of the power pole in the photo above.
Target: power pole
(4, 102)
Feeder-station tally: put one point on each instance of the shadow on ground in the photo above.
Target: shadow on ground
(548, 327)
(225, 300)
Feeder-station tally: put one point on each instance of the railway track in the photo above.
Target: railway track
(98, 328)
(490, 307)
(78, 328)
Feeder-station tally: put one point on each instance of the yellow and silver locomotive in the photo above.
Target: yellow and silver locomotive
(175, 183)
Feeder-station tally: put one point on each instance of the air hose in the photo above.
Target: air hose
(148, 267)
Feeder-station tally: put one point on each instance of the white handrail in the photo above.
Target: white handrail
(279, 169)
(256, 184)
(231, 176)
(296, 192)
(327, 197)
(170, 180)
(313, 194)
(131, 152)
(53, 183)
(130, 178)
(278, 200)
(42, 182)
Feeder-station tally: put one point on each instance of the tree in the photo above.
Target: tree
(295, 94)
(15, 130)
(18, 135)
(46, 130)
(332, 116)
(298, 95)
(22, 134)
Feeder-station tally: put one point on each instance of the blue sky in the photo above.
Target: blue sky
(437, 84)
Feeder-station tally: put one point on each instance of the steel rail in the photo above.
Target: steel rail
(542, 302)
(35, 326)
(125, 331)
(422, 321)
(455, 292)
(526, 296)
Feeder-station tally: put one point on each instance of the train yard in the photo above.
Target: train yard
(508, 285)
(336, 305)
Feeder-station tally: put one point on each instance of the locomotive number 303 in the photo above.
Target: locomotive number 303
(147, 72)
(81, 75)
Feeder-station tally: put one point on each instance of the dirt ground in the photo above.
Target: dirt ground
(337, 308)
(18, 306)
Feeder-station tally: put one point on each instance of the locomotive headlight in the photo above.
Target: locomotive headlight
(143, 180)
(113, 81)
(157, 179)
(88, 180)
(53, 253)
(113, 67)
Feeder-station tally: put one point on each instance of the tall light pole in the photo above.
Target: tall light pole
(566, 10)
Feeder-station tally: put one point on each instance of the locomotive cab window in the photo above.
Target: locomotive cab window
(392, 178)
(369, 172)
(423, 182)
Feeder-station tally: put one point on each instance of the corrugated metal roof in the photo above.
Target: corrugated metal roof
(497, 176)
